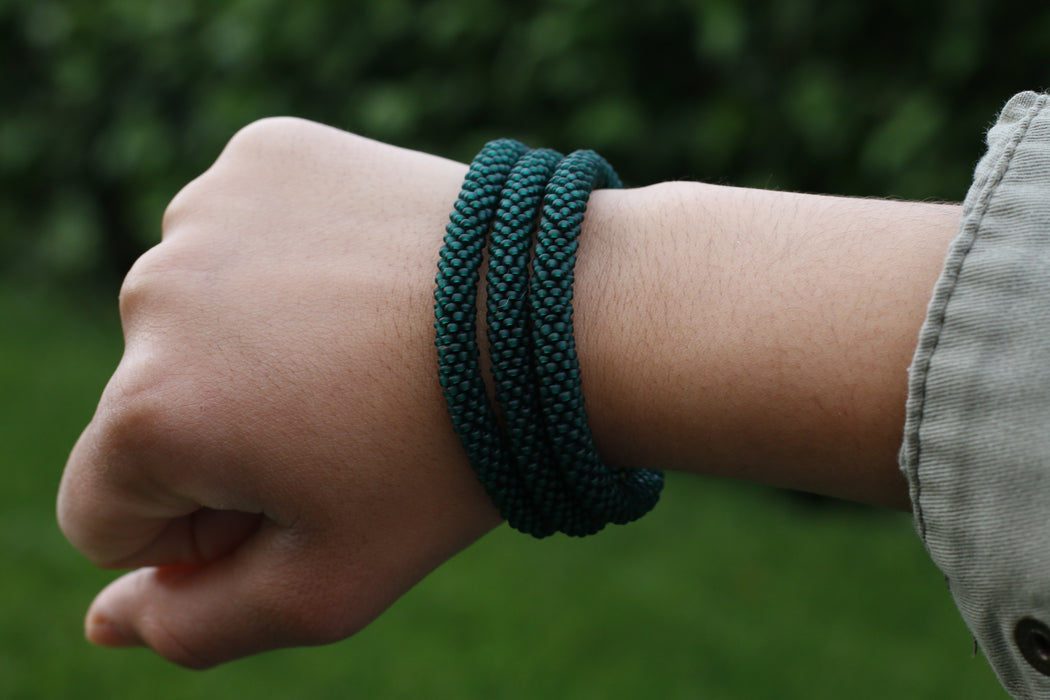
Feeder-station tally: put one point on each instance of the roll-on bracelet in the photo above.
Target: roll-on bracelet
(540, 467)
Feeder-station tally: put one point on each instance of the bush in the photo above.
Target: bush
(111, 106)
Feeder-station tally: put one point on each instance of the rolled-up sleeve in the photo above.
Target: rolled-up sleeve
(977, 439)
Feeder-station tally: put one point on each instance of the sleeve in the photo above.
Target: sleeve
(977, 437)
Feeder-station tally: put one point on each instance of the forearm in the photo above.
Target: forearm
(755, 334)
(275, 434)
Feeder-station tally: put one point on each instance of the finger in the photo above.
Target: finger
(259, 597)
(199, 538)
(140, 487)
(109, 518)
(127, 529)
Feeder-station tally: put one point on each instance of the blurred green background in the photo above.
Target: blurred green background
(727, 591)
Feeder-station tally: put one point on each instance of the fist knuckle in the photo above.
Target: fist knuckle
(162, 281)
(257, 140)
(138, 283)
(139, 418)
(264, 135)
(180, 206)
(148, 415)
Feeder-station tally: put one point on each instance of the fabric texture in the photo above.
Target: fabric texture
(977, 439)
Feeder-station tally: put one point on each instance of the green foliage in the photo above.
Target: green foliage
(112, 105)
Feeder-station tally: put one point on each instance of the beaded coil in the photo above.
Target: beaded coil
(538, 464)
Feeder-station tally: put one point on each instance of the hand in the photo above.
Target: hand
(274, 449)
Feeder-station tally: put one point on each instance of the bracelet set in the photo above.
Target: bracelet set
(540, 466)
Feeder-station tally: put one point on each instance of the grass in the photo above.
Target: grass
(725, 591)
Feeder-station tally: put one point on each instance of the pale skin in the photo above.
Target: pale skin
(273, 458)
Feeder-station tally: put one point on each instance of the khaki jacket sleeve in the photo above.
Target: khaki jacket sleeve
(977, 439)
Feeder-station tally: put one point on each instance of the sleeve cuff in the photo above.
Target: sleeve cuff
(977, 437)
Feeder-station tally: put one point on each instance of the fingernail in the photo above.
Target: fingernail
(102, 631)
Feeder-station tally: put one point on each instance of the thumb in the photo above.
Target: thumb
(259, 597)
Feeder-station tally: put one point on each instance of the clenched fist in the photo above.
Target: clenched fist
(273, 455)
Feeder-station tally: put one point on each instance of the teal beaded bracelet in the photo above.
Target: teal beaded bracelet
(455, 298)
(509, 335)
(609, 495)
(541, 469)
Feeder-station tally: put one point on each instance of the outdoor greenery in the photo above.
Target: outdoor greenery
(726, 591)
(112, 105)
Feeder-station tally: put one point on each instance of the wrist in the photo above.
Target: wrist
(755, 334)
(613, 334)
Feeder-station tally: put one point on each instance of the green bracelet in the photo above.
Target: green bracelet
(510, 339)
(607, 495)
(455, 299)
(542, 469)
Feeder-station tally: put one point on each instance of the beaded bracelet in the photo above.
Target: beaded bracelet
(540, 467)
(455, 299)
(509, 335)
(609, 495)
